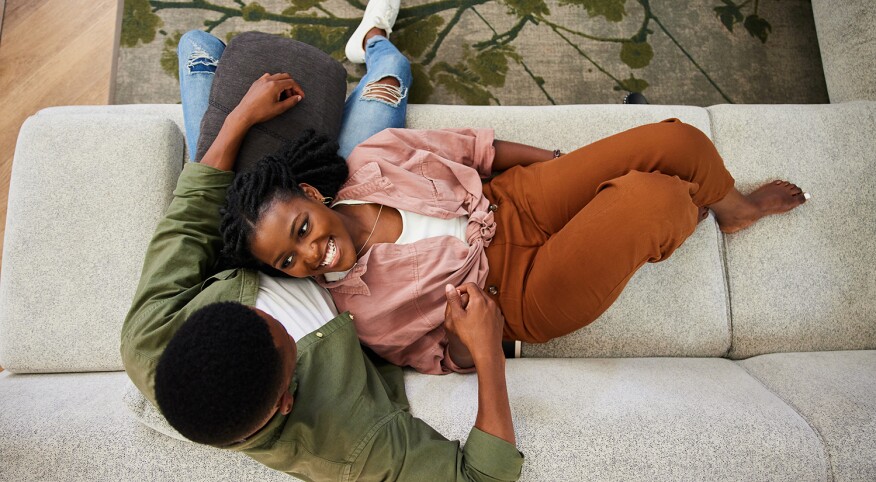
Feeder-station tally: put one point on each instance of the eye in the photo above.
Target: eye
(286, 262)
(305, 226)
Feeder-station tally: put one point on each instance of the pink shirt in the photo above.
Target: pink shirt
(396, 291)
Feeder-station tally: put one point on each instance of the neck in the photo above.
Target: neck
(358, 219)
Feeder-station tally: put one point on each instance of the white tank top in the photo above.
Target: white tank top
(299, 304)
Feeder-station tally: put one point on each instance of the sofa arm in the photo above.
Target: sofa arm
(86, 193)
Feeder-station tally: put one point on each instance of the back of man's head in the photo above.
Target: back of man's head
(218, 377)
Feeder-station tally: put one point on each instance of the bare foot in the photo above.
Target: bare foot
(773, 198)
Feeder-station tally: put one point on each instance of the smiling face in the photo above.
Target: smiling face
(303, 237)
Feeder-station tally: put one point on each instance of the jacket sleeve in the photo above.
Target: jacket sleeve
(404, 148)
(406, 448)
(180, 255)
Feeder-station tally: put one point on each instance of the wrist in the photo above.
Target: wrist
(239, 119)
(488, 357)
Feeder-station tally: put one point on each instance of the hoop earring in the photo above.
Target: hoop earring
(327, 200)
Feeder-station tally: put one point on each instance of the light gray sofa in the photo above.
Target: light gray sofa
(750, 356)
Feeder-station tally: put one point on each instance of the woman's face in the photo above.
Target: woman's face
(303, 237)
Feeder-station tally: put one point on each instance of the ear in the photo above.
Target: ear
(311, 192)
(284, 406)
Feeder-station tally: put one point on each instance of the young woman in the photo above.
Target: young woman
(553, 238)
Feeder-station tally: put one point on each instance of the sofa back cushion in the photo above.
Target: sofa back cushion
(803, 280)
(86, 193)
(677, 307)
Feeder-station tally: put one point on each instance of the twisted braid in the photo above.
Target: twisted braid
(311, 158)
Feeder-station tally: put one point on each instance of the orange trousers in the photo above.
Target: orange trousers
(572, 231)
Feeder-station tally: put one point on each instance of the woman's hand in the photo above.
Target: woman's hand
(268, 97)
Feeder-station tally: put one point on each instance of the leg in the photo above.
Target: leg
(555, 191)
(580, 271)
(380, 100)
(199, 54)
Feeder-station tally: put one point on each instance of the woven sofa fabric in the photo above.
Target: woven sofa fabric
(645, 320)
(85, 196)
(636, 419)
(248, 56)
(76, 427)
(804, 280)
(834, 391)
(847, 42)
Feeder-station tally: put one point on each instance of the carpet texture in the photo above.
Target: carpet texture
(520, 52)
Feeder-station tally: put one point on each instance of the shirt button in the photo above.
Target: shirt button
(493, 290)
(352, 317)
(494, 207)
(319, 334)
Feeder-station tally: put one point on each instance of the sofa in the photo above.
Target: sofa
(748, 356)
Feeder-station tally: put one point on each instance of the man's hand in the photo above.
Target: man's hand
(475, 319)
(268, 97)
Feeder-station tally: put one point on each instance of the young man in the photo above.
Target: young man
(204, 348)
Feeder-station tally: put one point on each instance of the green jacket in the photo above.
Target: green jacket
(350, 418)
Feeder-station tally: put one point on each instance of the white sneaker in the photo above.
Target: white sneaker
(380, 14)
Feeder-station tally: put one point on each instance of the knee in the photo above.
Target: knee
(659, 199)
(199, 47)
(389, 89)
(684, 141)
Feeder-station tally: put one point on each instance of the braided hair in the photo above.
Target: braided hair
(311, 158)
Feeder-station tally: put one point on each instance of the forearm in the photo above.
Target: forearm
(494, 409)
(510, 154)
(222, 154)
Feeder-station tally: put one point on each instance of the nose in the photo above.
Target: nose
(313, 255)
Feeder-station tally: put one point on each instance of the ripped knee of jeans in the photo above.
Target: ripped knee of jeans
(201, 61)
(385, 90)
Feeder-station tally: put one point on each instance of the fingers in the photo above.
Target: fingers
(454, 302)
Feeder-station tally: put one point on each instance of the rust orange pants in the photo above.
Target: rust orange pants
(572, 231)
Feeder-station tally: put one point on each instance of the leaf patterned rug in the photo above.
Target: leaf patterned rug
(519, 52)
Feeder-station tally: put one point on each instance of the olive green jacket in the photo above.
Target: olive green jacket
(350, 419)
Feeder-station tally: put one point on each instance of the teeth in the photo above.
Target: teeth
(330, 253)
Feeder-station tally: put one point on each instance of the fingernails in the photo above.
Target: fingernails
(807, 196)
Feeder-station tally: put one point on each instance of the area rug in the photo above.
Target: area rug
(519, 52)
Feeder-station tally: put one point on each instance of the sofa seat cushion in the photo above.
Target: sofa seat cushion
(635, 419)
(76, 427)
(803, 280)
(834, 391)
(623, 419)
(85, 196)
(645, 320)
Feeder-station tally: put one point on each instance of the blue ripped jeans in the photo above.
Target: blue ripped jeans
(368, 110)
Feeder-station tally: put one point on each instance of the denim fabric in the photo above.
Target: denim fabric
(362, 117)
(365, 117)
(199, 54)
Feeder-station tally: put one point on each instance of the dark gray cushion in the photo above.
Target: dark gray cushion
(248, 56)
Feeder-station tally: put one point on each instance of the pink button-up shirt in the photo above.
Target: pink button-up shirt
(396, 291)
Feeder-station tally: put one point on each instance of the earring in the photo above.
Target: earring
(327, 200)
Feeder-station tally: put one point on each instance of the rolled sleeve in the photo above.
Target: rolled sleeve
(492, 456)
(406, 448)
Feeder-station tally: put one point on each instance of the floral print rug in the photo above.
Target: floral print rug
(519, 52)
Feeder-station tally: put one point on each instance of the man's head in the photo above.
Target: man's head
(225, 373)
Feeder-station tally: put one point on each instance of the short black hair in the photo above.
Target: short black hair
(219, 376)
(311, 158)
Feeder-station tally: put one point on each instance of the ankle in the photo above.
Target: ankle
(374, 32)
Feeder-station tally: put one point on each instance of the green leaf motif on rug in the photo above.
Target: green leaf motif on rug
(139, 24)
(253, 12)
(758, 27)
(421, 88)
(301, 6)
(169, 56)
(527, 8)
(330, 40)
(633, 84)
(730, 14)
(636, 54)
(418, 36)
(612, 10)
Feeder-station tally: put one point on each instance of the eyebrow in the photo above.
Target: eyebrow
(291, 235)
